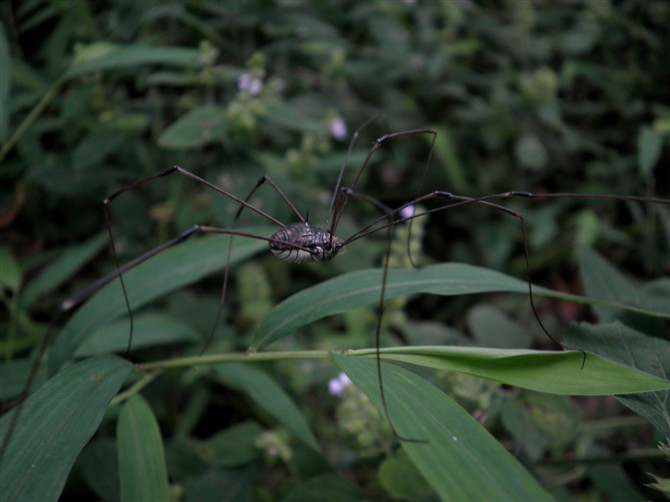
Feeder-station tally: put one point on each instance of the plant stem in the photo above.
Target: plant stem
(236, 357)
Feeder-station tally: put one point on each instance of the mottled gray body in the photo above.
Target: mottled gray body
(301, 242)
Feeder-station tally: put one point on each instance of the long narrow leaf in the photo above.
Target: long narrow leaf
(55, 424)
(172, 269)
(459, 458)
(68, 262)
(363, 287)
(269, 396)
(142, 467)
(135, 55)
(544, 371)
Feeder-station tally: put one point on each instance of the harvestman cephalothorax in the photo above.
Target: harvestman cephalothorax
(302, 242)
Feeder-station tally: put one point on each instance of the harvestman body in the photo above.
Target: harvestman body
(314, 244)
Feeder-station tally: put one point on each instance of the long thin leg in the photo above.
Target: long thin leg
(226, 273)
(86, 293)
(388, 213)
(378, 224)
(390, 218)
(187, 174)
(342, 197)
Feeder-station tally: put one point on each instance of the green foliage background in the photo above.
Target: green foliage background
(549, 98)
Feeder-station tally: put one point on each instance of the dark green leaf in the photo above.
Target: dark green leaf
(148, 330)
(217, 486)
(54, 424)
(363, 287)
(10, 270)
(459, 458)
(110, 57)
(99, 465)
(233, 447)
(165, 272)
(269, 396)
(649, 144)
(67, 263)
(202, 126)
(326, 487)
(142, 469)
(604, 282)
(622, 344)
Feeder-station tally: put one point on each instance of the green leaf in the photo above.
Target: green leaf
(10, 270)
(325, 487)
(459, 458)
(97, 145)
(142, 468)
(5, 83)
(651, 355)
(133, 55)
(604, 282)
(446, 151)
(199, 127)
(70, 260)
(490, 327)
(233, 447)
(401, 479)
(363, 287)
(216, 486)
(54, 424)
(99, 466)
(269, 396)
(148, 330)
(539, 422)
(649, 145)
(172, 269)
(283, 115)
(530, 152)
(13, 375)
(544, 371)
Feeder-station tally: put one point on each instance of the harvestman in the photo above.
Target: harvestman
(302, 242)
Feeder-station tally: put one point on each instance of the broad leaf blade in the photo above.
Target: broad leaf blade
(55, 424)
(142, 467)
(460, 459)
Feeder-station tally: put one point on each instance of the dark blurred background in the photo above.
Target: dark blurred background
(550, 98)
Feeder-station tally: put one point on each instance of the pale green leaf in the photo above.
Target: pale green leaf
(544, 371)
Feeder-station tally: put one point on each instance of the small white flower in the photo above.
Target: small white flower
(407, 211)
(247, 83)
(338, 128)
(337, 385)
